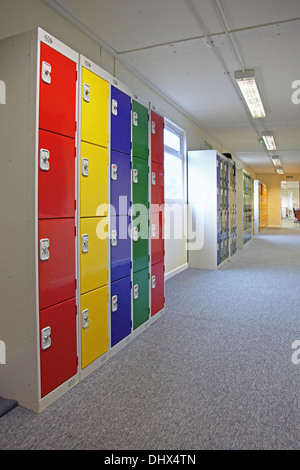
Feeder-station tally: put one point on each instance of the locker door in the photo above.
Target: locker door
(157, 138)
(219, 249)
(219, 222)
(120, 310)
(56, 185)
(140, 298)
(93, 180)
(120, 182)
(94, 325)
(157, 238)
(94, 109)
(120, 121)
(56, 261)
(58, 345)
(140, 186)
(157, 186)
(157, 288)
(58, 76)
(120, 247)
(93, 254)
(140, 122)
(140, 244)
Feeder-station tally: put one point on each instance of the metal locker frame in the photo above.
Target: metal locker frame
(21, 376)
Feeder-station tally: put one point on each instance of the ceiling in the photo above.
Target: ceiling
(188, 50)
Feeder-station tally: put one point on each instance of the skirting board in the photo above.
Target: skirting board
(176, 271)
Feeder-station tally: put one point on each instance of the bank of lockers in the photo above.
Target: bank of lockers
(89, 269)
(212, 198)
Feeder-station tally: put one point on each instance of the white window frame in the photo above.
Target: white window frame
(182, 155)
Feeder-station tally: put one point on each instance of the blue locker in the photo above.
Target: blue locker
(120, 183)
(120, 121)
(120, 247)
(219, 249)
(120, 310)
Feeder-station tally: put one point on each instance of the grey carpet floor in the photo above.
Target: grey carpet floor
(214, 373)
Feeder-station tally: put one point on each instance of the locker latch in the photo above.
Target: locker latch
(114, 239)
(153, 178)
(114, 107)
(114, 303)
(114, 172)
(44, 159)
(135, 119)
(45, 337)
(85, 318)
(135, 176)
(135, 234)
(85, 243)
(85, 167)
(86, 92)
(153, 230)
(46, 71)
(153, 127)
(136, 291)
(153, 282)
(44, 249)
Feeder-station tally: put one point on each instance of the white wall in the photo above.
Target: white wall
(22, 15)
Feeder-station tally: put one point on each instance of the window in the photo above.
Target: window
(174, 162)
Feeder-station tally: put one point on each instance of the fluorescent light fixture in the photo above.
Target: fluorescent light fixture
(280, 171)
(269, 140)
(246, 82)
(276, 160)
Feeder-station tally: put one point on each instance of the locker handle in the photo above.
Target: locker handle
(86, 92)
(85, 167)
(153, 127)
(45, 337)
(114, 171)
(135, 119)
(114, 239)
(44, 159)
(114, 107)
(114, 303)
(85, 318)
(44, 249)
(85, 243)
(135, 234)
(153, 178)
(136, 291)
(153, 282)
(46, 72)
(135, 176)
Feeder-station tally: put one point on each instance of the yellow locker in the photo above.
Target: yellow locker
(94, 253)
(93, 180)
(94, 109)
(94, 325)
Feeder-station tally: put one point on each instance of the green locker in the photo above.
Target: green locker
(140, 243)
(140, 298)
(140, 119)
(140, 174)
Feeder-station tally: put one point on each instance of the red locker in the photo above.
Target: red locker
(56, 261)
(157, 288)
(56, 185)
(58, 78)
(58, 345)
(157, 237)
(157, 138)
(157, 186)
